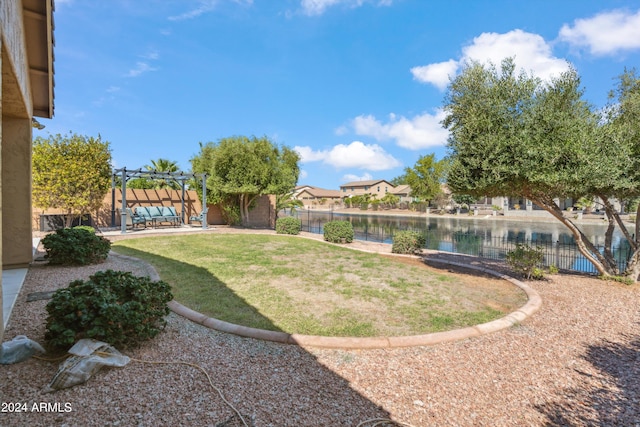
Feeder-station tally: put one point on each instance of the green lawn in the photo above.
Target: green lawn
(298, 285)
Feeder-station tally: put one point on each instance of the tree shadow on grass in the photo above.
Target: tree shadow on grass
(609, 397)
(302, 390)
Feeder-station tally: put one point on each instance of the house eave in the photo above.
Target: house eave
(39, 27)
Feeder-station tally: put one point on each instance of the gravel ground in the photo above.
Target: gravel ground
(576, 362)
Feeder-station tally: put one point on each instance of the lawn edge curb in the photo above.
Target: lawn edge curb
(533, 304)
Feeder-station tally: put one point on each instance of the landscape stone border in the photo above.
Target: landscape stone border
(533, 304)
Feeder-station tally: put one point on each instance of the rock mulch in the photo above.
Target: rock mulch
(575, 362)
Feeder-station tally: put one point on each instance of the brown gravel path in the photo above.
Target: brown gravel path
(575, 362)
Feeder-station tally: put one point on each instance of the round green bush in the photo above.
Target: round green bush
(85, 227)
(75, 246)
(338, 232)
(288, 225)
(115, 307)
(408, 242)
(527, 261)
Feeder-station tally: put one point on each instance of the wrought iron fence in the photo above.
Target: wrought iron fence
(563, 255)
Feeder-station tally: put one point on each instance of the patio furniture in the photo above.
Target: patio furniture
(197, 218)
(134, 219)
(157, 215)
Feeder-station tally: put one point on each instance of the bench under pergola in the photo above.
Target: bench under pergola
(179, 177)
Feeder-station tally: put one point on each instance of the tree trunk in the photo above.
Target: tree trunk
(586, 248)
(68, 219)
(244, 211)
(245, 204)
(633, 266)
(608, 240)
(623, 228)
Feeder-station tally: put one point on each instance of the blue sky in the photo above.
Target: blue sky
(356, 86)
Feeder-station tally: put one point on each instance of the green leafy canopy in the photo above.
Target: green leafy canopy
(512, 134)
(241, 169)
(70, 172)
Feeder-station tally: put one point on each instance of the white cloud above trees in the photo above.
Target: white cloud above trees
(416, 133)
(606, 33)
(354, 155)
(531, 52)
(437, 74)
(351, 177)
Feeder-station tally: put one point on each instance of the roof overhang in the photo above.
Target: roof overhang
(38, 27)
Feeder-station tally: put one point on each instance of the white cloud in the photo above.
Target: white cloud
(606, 33)
(438, 73)
(417, 133)
(355, 155)
(308, 155)
(351, 177)
(140, 68)
(303, 174)
(532, 54)
(153, 55)
(318, 7)
(204, 6)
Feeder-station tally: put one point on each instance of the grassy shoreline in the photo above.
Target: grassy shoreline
(297, 285)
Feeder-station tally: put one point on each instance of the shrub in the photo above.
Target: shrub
(85, 227)
(75, 246)
(112, 306)
(338, 232)
(620, 279)
(408, 242)
(526, 261)
(288, 225)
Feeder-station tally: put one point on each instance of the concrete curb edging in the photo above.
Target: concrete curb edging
(533, 304)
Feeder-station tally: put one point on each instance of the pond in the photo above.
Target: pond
(490, 237)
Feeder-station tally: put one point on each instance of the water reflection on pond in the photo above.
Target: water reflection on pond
(489, 237)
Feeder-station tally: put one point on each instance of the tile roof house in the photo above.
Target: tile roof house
(404, 192)
(312, 196)
(378, 187)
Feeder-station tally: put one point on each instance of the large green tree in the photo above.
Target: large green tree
(243, 168)
(72, 173)
(619, 138)
(513, 135)
(426, 177)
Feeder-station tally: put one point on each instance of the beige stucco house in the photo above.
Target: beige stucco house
(378, 187)
(319, 197)
(26, 46)
(404, 193)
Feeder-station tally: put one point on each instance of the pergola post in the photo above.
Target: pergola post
(123, 212)
(176, 176)
(113, 200)
(182, 200)
(204, 202)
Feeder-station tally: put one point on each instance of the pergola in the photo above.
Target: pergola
(179, 177)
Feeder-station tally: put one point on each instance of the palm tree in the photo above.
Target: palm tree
(286, 201)
(164, 165)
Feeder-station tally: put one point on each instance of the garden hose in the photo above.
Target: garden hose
(373, 422)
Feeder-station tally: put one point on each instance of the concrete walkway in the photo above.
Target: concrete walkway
(12, 281)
